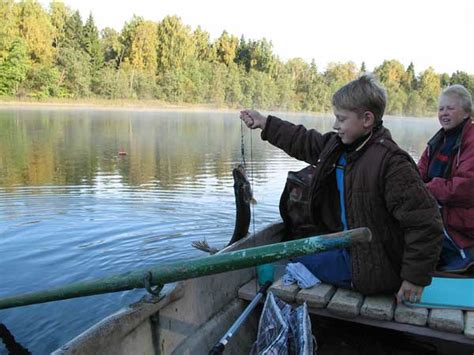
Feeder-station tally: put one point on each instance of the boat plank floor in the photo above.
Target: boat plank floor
(379, 311)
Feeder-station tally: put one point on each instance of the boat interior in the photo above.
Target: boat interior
(190, 316)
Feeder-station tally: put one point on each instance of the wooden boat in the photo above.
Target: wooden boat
(190, 316)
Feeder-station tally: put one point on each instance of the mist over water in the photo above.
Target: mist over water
(75, 207)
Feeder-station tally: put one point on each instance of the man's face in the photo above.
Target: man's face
(450, 112)
(350, 126)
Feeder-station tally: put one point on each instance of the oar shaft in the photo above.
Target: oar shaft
(221, 344)
(181, 270)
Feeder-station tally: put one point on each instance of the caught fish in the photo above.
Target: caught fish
(243, 199)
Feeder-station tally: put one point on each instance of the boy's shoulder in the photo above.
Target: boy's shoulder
(383, 138)
(388, 143)
(391, 147)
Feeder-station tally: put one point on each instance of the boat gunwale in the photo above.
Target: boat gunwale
(149, 306)
(129, 317)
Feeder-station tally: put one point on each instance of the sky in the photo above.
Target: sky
(433, 33)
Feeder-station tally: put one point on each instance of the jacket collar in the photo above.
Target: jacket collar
(434, 142)
(377, 135)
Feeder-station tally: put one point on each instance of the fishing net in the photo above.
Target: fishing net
(283, 330)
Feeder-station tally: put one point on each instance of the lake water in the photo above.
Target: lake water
(72, 208)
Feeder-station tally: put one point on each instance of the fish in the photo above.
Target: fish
(243, 200)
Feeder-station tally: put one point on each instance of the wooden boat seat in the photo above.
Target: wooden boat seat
(379, 311)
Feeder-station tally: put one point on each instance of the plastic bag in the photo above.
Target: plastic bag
(283, 330)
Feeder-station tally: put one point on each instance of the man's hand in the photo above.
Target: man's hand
(409, 292)
(253, 119)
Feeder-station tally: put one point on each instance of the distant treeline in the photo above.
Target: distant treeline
(52, 53)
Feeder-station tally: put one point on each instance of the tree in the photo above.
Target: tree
(242, 54)
(338, 74)
(233, 89)
(140, 55)
(58, 13)
(173, 84)
(143, 47)
(37, 31)
(297, 68)
(256, 55)
(391, 73)
(8, 26)
(410, 78)
(73, 60)
(429, 89)
(197, 87)
(91, 44)
(317, 97)
(75, 75)
(113, 83)
(265, 93)
(415, 105)
(13, 68)
(444, 80)
(261, 56)
(127, 35)
(43, 81)
(175, 44)
(226, 46)
(284, 86)
(112, 46)
(463, 78)
(393, 77)
(73, 28)
(217, 84)
(205, 51)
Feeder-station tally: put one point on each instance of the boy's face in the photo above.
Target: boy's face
(350, 126)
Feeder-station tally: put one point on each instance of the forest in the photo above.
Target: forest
(54, 53)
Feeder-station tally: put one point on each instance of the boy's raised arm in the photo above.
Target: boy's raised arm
(297, 141)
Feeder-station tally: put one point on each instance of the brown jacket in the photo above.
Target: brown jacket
(383, 191)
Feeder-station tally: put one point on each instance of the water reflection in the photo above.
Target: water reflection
(72, 208)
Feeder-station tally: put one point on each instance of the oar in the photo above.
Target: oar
(182, 270)
(220, 346)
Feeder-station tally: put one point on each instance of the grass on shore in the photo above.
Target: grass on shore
(97, 103)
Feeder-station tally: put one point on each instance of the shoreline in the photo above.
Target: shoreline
(140, 105)
(135, 105)
(151, 106)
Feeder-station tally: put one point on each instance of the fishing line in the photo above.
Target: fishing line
(242, 149)
(242, 153)
(253, 207)
(251, 182)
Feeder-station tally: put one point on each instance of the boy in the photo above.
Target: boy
(363, 179)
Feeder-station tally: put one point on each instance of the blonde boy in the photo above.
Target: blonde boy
(363, 179)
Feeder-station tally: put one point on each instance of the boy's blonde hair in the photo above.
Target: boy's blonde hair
(462, 93)
(360, 95)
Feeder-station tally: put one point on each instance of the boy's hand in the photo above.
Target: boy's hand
(409, 292)
(253, 119)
